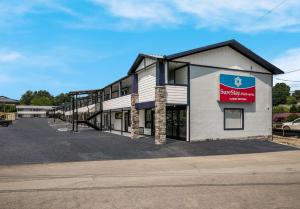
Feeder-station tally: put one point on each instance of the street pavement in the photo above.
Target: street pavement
(238, 181)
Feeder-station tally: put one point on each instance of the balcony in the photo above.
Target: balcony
(117, 103)
(176, 94)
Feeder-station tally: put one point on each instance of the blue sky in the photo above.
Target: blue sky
(64, 45)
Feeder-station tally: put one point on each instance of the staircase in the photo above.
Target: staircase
(88, 124)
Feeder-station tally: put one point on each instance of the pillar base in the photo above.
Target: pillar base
(160, 115)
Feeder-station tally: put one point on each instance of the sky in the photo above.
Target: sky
(65, 45)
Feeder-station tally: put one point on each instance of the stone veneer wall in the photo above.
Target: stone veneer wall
(160, 115)
(134, 116)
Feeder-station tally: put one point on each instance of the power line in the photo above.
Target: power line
(291, 71)
(271, 10)
(285, 80)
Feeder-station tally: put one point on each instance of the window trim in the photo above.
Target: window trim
(243, 119)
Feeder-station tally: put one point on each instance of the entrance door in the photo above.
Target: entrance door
(106, 121)
(176, 123)
(152, 123)
(126, 120)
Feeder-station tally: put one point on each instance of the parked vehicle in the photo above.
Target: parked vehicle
(294, 125)
(5, 123)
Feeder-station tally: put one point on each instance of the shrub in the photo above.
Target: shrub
(291, 100)
(280, 109)
(292, 117)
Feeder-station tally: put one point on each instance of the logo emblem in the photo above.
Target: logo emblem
(238, 81)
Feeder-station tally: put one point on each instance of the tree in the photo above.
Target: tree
(280, 109)
(291, 100)
(26, 98)
(297, 94)
(41, 97)
(42, 101)
(280, 92)
(61, 98)
(292, 117)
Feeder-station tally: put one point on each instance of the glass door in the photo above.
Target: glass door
(176, 123)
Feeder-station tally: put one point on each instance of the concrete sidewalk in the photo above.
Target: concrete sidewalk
(265, 180)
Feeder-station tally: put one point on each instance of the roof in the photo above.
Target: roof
(84, 92)
(139, 58)
(6, 100)
(230, 43)
(234, 45)
(35, 107)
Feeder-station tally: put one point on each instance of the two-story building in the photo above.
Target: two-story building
(220, 91)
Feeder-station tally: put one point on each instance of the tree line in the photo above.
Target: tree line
(43, 98)
(283, 100)
(281, 96)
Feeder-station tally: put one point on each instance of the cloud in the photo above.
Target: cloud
(244, 15)
(14, 13)
(148, 11)
(10, 56)
(289, 61)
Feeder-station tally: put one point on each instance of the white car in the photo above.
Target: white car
(294, 125)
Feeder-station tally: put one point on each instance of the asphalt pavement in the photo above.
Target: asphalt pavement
(30, 141)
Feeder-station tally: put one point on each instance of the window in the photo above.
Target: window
(115, 94)
(125, 91)
(107, 96)
(118, 115)
(148, 119)
(296, 121)
(233, 119)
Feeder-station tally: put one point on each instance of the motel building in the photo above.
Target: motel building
(220, 91)
(33, 111)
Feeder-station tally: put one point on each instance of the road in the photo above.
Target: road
(261, 180)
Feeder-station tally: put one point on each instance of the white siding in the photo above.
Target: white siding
(176, 94)
(120, 102)
(145, 62)
(90, 108)
(207, 114)
(146, 84)
(223, 57)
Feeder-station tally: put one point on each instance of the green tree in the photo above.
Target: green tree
(297, 94)
(292, 117)
(42, 101)
(280, 109)
(26, 98)
(41, 97)
(280, 92)
(61, 98)
(291, 100)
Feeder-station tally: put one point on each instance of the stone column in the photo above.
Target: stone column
(160, 115)
(134, 117)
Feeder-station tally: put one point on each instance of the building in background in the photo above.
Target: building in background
(30, 111)
(8, 108)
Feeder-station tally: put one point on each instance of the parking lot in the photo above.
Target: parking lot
(35, 141)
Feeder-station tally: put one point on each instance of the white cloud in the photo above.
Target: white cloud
(243, 15)
(10, 56)
(289, 61)
(148, 11)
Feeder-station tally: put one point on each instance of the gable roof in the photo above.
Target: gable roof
(236, 46)
(139, 59)
(6, 100)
